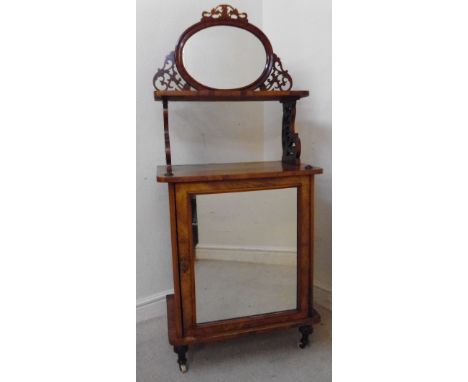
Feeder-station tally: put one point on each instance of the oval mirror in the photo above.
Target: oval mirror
(224, 57)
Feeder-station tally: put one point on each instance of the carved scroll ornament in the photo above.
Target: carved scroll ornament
(279, 79)
(290, 139)
(168, 78)
(224, 12)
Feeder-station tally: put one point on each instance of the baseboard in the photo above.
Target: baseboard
(251, 254)
(152, 306)
(323, 297)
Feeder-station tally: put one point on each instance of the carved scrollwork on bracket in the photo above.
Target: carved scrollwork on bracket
(279, 78)
(168, 78)
(290, 139)
(224, 12)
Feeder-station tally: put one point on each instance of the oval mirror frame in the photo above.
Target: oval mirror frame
(208, 22)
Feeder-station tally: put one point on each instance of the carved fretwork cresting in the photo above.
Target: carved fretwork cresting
(224, 12)
(279, 79)
(290, 139)
(168, 78)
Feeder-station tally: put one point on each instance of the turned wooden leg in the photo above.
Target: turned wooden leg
(305, 331)
(181, 359)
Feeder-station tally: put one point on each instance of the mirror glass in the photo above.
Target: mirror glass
(245, 253)
(224, 57)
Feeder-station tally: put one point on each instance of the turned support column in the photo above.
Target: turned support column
(167, 142)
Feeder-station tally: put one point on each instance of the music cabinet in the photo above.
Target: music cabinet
(220, 294)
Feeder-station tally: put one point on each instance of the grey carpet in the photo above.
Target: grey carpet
(273, 356)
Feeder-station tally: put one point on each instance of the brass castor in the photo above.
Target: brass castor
(305, 331)
(181, 358)
(183, 367)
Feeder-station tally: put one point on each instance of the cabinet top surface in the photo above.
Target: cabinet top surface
(229, 95)
(233, 171)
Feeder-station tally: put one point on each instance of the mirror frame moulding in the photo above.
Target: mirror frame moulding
(174, 76)
(249, 28)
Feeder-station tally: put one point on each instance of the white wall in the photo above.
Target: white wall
(228, 132)
(302, 39)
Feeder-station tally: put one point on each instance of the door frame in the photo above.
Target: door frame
(186, 254)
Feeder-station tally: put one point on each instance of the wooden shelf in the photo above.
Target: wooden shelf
(233, 171)
(229, 95)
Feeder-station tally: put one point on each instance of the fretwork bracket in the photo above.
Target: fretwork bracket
(290, 139)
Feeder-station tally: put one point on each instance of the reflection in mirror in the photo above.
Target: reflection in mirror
(245, 253)
(224, 57)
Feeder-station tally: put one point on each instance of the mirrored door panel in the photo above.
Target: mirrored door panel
(245, 246)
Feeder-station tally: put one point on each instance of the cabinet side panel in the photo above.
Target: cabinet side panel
(184, 225)
(304, 243)
(176, 315)
(312, 243)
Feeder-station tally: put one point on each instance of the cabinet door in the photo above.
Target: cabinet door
(244, 253)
